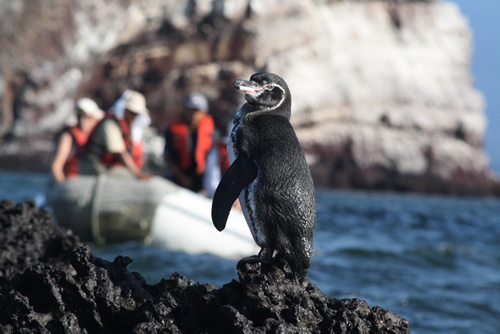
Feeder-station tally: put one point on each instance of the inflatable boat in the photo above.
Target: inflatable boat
(109, 210)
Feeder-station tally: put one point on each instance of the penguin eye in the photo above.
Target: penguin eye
(268, 87)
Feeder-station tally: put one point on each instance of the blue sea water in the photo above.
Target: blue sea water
(433, 260)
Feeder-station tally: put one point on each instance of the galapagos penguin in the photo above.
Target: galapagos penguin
(269, 174)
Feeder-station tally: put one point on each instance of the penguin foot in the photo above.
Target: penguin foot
(265, 256)
(252, 261)
(249, 259)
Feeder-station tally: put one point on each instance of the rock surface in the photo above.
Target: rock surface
(382, 90)
(28, 236)
(56, 285)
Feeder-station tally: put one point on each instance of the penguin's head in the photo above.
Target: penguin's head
(266, 91)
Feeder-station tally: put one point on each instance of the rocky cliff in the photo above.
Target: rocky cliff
(382, 92)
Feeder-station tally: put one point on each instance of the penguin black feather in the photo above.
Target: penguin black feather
(269, 174)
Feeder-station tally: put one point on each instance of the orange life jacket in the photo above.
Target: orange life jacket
(204, 142)
(134, 149)
(70, 168)
(187, 155)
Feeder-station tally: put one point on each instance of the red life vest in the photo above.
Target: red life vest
(137, 154)
(70, 168)
(179, 135)
(134, 149)
(223, 156)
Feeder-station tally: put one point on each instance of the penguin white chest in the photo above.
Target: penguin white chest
(232, 151)
(247, 196)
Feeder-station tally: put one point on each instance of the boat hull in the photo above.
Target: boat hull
(106, 210)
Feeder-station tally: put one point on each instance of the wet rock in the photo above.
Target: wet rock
(103, 296)
(80, 293)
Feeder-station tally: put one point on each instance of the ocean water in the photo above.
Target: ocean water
(433, 260)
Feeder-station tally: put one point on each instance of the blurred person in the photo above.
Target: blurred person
(188, 141)
(216, 165)
(112, 148)
(71, 140)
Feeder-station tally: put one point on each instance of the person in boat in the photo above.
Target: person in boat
(72, 139)
(217, 163)
(111, 148)
(188, 141)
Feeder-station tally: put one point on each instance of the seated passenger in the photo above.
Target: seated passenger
(110, 149)
(187, 143)
(71, 140)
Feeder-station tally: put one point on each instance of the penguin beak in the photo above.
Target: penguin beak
(248, 87)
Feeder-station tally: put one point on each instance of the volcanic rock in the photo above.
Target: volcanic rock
(72, 291)
(28, 236)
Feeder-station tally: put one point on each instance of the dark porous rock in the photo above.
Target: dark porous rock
(98, 296)
(28, 236)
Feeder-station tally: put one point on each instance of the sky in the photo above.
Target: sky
(484, 20)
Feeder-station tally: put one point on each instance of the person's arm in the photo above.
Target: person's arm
(63, 150)
(115, 144)
(130, 164)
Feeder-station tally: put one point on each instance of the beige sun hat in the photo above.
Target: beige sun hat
(135, 102)
(89, 108)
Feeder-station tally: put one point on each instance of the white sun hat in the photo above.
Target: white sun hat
(135, 102)
(89, 108)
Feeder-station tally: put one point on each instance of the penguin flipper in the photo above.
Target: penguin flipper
(239, 175)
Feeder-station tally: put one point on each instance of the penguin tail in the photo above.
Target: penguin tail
(299, 262)
(297, 256)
